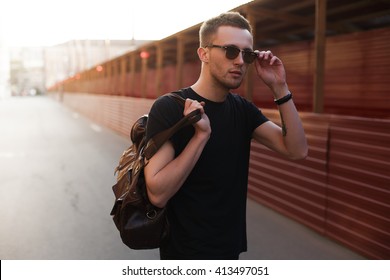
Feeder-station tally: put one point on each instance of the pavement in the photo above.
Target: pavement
(56, 173)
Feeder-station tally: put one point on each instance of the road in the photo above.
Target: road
(55, 193)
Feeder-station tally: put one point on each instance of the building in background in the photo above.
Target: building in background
(27, 71)
(31, 70)
(65, 60)
(4, 67)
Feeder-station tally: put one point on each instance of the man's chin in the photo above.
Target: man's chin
(235, 85)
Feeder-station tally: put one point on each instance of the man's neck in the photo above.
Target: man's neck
(210, 92)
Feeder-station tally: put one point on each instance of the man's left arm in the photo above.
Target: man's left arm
(289, 139)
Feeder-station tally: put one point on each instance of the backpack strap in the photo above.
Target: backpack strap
(159, 139)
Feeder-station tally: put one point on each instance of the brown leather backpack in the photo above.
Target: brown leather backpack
(140, 223)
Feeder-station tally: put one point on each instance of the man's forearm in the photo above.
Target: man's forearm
(293, 133)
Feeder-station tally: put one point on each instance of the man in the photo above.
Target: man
(201, 174)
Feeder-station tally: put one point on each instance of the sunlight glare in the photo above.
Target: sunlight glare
(45, 23)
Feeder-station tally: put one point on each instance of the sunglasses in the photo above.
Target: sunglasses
(231, 52)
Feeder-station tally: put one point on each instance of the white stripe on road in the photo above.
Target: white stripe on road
(95, 127)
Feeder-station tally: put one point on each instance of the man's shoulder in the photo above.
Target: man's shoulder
(167, 98)
(164, 113)
(166, 108)
(238, 99)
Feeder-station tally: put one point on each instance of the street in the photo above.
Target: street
(56, 177)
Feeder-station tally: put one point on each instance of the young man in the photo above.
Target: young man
(201, 174)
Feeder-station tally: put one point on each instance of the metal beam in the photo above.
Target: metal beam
(282, 16)
(159, 68)
(180, 61)
(319, 66)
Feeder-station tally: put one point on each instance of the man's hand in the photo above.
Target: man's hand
(271, 70)
(203, 125)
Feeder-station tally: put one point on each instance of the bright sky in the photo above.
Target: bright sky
(50, 22)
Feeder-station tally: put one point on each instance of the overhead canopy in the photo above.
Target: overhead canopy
(281, 21)
(274, 22)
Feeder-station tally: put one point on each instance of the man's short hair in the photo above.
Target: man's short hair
(209, 27)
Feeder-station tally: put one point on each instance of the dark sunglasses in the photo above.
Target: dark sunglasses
(231, 52)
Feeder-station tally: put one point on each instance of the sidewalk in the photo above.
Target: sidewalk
(272, 236)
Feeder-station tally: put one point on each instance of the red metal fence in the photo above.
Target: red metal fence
(341, 190)
(356, 76)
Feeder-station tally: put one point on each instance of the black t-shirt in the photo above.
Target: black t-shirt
(208, 214)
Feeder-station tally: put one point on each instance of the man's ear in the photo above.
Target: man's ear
(203, 54)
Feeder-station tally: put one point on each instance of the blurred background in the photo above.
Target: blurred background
(42, 42)
(94, 67)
